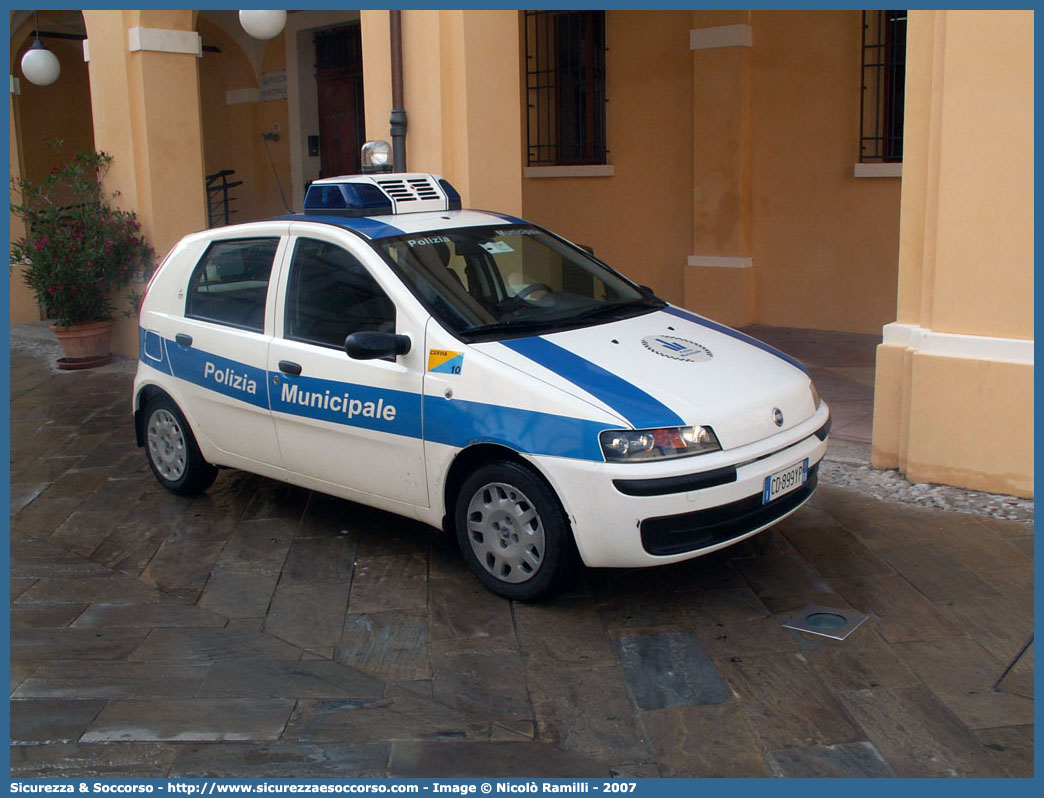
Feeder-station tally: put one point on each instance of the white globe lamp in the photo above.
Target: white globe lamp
(263, 24)
(40, 65)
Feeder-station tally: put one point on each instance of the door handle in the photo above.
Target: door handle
(183, 339)
(289, 367)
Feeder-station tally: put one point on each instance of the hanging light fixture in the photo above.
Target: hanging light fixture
(263, 24)
(40, 65)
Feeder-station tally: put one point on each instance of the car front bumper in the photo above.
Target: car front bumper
(633, 515)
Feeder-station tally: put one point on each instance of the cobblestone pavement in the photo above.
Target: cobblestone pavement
(264, 630)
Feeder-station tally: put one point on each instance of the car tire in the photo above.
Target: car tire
(513, 532)
(172, 452)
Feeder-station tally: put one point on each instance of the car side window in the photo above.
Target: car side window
(331, 295)
(230, 283)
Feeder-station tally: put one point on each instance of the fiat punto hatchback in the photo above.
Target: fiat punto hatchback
(472, 371)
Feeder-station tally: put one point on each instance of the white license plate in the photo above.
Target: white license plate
(783, 482)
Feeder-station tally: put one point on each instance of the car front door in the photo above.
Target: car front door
(354, 424)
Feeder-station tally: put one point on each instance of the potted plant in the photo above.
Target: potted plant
(78, 249)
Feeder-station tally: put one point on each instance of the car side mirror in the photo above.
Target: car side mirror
(374, 345)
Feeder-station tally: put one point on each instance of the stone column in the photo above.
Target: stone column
(954, 392)
(145, 101)
(720, 271)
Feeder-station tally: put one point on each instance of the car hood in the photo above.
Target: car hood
(671, 368)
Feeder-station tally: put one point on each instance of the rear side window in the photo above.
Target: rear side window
(331, 295)
(230, 283)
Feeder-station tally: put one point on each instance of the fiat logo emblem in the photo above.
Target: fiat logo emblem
(777, 416)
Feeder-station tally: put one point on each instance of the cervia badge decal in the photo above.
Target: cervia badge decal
(676, 348)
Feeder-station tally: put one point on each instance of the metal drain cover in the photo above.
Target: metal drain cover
(826, 621)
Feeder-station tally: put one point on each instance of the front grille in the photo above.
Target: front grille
(676, 534)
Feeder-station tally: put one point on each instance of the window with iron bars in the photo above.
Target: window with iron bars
(884, 85)
(565, 87)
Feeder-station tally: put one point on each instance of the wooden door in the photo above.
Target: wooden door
(340, 89)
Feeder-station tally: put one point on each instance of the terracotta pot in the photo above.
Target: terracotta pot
(84, 345)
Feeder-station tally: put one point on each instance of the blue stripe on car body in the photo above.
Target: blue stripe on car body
(508, 218)
(364, 225)
(713, 325)
(456, 422)
(229, 377)
(460, 423)
(152, 350)
(639, 408)
(350, 404)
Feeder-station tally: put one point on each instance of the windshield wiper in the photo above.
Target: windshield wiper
(519, 326)
(615, 310)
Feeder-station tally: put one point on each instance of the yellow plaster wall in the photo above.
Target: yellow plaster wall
(966, 264)
(232, 133)
(947, 440)
(640, 219)
(376, 48)
(271, 113)
(738, 152)
(493, 97)
(984, 246)
(23, 307)
(460, 91)
(914, 242)
(825, 244)
(59, 111)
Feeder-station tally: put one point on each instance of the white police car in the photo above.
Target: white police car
(472, 371)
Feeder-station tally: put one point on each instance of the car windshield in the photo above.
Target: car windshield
(489, 283)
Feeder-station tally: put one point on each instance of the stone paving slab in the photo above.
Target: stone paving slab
(194, 719)
(389, 645)
(905, 613)
(378, 720)
(961, 674)
(45, 616)
(122, 761)
(784, 701)
(42, 645)
(1012, 747)
(264, 630)
(669, 669)
(282, 761)
(302, 679)
(146, 616)
(917, 736)
(854, 760)
(496, 760)
(310, 616)
(81, 679)
(193, 644)
(588, 712)
(51, 720)
(710, 741)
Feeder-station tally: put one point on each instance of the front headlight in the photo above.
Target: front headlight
(816, 401)
(634, 445)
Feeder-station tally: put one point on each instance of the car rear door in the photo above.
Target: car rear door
(354, 424)
(220, 346)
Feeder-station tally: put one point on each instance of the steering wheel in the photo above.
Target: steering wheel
(532, 288)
